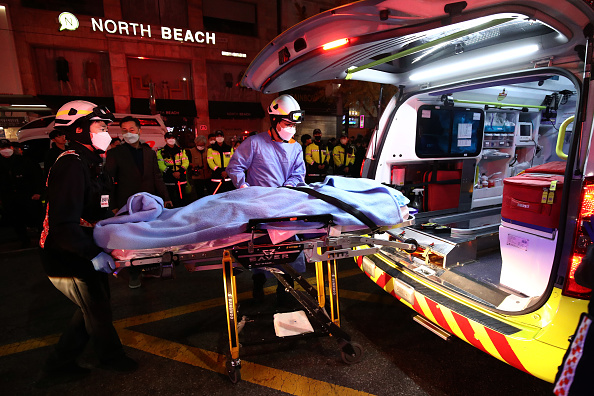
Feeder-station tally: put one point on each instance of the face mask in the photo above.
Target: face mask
(6, 152)
(287, 133)
(343, 141)
(171, 142)
(201, 148)
(317, 138)
(211, 142)
(220, 139)
(131, 138)
(101, 140)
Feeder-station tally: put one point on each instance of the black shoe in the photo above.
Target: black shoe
(258, 290)
(122, 364)
(68, 373)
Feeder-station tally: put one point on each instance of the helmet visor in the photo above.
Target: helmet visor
(296, 116)
(101, 113)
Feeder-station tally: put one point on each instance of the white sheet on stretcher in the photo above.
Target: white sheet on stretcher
(221, 220)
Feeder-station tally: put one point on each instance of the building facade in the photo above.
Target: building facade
(182, 59)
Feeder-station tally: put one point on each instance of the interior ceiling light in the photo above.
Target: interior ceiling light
(335, 43)
(474, 63)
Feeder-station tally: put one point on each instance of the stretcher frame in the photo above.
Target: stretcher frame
(269, 257)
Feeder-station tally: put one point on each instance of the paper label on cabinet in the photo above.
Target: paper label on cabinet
(517, 242)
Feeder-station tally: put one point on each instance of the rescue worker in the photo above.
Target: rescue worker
(173, 163)
(199, 169)
(218, 156)
(272, 159)
(316, 158)
(78, 196)
(344, 157)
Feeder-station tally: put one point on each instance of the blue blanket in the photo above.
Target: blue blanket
(144, 224)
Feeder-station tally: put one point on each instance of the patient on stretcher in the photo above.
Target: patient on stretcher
(221, 220)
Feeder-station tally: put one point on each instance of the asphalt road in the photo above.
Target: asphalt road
(176, 330)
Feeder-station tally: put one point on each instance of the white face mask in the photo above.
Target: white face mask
(171, 142)
(220, 139)
(200, 148)
(131, 138)
(211, 142)
(6, 152)
(287, 133)
(101, 140)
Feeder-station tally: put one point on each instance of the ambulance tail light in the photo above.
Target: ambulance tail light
(580, 244)
(335, 44)
(362, 166)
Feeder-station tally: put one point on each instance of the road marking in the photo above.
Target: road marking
(269, 377)
(121, 324)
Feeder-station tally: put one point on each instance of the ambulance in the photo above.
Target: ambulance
(489, 135)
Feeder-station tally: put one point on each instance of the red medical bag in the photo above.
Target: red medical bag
(532, 200)
(443, 189)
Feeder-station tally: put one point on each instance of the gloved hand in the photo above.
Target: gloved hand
(103, 262)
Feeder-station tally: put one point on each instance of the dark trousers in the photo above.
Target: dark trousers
(92, 321)
(176, 199)
(200, 187)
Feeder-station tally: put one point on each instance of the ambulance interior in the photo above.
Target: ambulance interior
(469, 145)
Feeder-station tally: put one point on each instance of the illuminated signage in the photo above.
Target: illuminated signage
(138, 29)
(234, 54)
(69, 21)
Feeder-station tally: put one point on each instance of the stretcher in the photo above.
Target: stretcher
(254, 250)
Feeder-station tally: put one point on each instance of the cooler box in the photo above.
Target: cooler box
(532, 200)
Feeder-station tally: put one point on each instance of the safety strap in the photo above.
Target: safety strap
(362, 217)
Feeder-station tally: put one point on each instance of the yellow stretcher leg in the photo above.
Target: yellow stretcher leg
(333, 285)
(230, 286)
(320, 282)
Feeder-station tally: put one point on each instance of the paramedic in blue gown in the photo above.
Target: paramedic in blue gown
(77, 197)
(271, 159)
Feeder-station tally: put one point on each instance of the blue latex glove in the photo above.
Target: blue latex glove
(103, 262)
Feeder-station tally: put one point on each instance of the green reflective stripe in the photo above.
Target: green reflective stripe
(430, 44)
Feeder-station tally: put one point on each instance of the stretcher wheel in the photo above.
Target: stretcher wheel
(351, 358)
(233, 372)
(412, 242)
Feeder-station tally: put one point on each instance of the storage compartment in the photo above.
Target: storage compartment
(527, 259)
(532, 200)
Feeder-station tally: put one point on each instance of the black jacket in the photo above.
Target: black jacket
(129, 179)
(76, 185)
(20, 179)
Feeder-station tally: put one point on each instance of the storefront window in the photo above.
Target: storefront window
(72, 73)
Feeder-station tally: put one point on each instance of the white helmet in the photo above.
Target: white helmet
(285, 107)
(75, 110)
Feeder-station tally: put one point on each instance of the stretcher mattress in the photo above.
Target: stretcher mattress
(145, 224)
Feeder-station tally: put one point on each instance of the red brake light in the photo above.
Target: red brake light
(335, 43)
(580, 244)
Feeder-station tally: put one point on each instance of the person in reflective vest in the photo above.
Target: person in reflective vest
(218, 156)
(316, 159)
(344, 157)
(173, 162)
